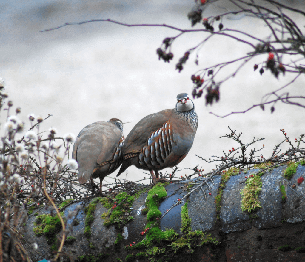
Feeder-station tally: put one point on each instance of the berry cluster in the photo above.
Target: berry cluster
(164, 54)
(272, 65)
(195, 16)
(300, 180)
(212, 93)
(198, 81)
(144, 232)
(182, 60)
(209, 25)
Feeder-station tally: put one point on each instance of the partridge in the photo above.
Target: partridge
(97, 150)
(162, 139)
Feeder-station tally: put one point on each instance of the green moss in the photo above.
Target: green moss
(283, 191)
(285, 248)
(166, 245)
(185, 219)
(224, 179)
(302, 162)
(119, 238)
(155, 196)
(31, 209)
(264, 165)
(250, 193)
(70, 240)
(106, 202)
(290, 170)
(144, 211)
(119, 210)
(89, 211)
(48, 226)
(65, 203)
(129, 257)
(300, 249)
(91, 245)
(141, 255)
(193, 239)
(32, 206)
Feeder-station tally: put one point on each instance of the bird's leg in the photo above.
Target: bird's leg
(101, 190)
(92, 184)
(154, 177)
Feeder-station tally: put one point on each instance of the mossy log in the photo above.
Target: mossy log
(207, 230)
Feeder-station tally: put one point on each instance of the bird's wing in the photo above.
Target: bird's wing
(143, 130)
(158, 147)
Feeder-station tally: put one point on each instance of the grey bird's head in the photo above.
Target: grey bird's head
(184, 103)
(117, 122)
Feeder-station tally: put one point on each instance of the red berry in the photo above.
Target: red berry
(202, 80)
(210, 193)
(271, 56)
(203, 1)
(300, 180)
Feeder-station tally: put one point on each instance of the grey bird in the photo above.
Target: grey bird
(162, 139)
(97, 150)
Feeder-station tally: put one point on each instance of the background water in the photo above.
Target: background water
(96, 71)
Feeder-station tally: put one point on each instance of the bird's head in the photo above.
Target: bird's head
(117, 122)
(184, 103)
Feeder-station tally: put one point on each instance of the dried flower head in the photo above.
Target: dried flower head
(31, 135)
(8, 126)
(31, 117)
(70, 138)
(24, 155)
(20, 127)
(13, 119)
(18, 110)
(72, 164)
(53, 131)
(44, 146)
(20, 148)
(39, 119)
(59, 159)
(1, 83)
(55, 146)
(10, 103)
